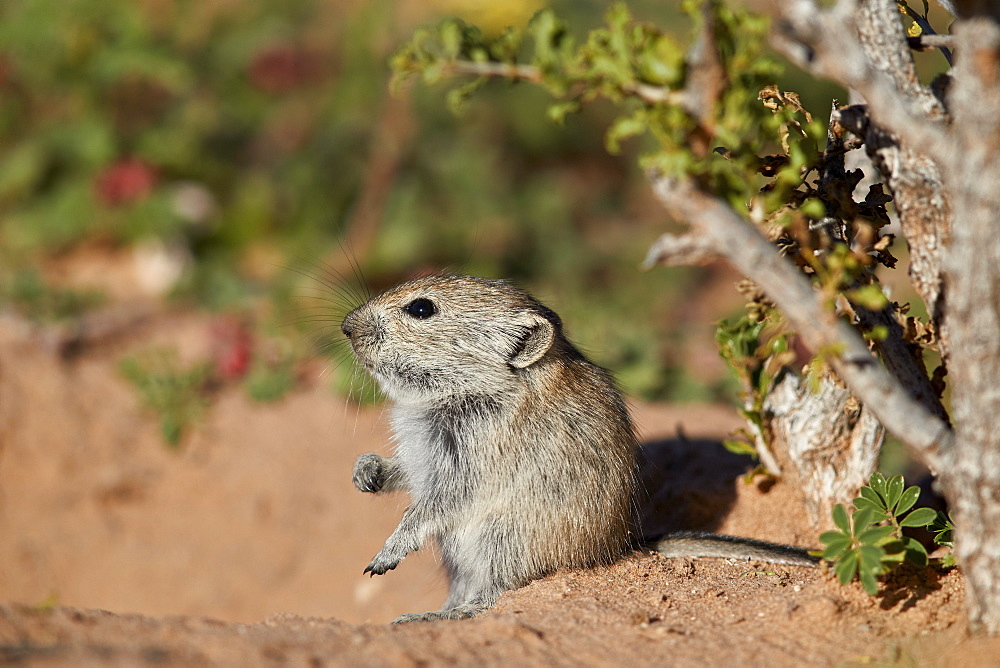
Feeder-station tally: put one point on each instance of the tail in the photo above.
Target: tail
(701, 544)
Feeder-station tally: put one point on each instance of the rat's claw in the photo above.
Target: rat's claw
(381, 565)
(369, 473)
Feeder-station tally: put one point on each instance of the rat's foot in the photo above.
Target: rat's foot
(464, 611)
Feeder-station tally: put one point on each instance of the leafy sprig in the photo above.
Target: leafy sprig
(755, 353)
(646, 72)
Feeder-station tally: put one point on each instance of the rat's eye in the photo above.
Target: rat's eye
(420, 308)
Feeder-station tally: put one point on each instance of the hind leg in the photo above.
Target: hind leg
(462, 611)
(481, 565)
(467, 597)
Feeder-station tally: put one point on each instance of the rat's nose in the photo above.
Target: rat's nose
(346, 329)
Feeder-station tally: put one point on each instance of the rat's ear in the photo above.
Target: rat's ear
(538, 338)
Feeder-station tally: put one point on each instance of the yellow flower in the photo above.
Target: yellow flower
(491, 16)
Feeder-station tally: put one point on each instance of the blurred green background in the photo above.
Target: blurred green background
(246, 144)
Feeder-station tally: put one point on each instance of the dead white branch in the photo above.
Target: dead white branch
(675, 250)
(971, 264)
(836, 341)
(645, 92)
(833, 441)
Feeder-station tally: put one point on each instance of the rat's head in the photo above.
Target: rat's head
(444, 336)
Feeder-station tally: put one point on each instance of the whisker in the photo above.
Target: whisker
(356, 268)
(327, 277)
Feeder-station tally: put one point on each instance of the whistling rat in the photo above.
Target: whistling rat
(518, 452)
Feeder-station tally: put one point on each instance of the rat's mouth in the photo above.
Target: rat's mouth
(369, 363)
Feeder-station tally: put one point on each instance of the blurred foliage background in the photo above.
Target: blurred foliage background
(241, 145)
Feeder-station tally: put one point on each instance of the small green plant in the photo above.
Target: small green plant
(755, 354)
(870, 542)
(28, 293)
(175, 393)
(943, 528)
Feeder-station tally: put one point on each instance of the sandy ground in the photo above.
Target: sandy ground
(246, 546)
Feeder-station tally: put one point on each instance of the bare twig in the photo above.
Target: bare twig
(932, 41)
(927, 39)
(686, 249)
(494, 70)
(706, 76)
(847, 353)
(530, 73)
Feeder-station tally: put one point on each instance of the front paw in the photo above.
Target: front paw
(369, 473)
(384, 562)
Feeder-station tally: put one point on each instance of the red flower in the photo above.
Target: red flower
(128, 180)
(232, 344)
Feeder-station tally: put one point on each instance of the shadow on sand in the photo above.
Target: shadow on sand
(686, 484)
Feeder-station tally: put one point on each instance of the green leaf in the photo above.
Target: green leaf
(861, 502)
(505, 47)
(433, 72)
(907, 499)
(944, 538)
(871, 495)
(450, 33)
(836, 544)
(920, 517)
(890, 561)
(915, 552)
(840, 519)
(863, 518)
(663, 64)
(873, 535)
(870, 296)
(740, 447)
(458, 97)
(877, 483)
(551, 40)
(828, 536)
(624, 127)
(846, 567)
(942, 526)
(870, 558)
(813, 208)
(869, 582)
(893, 490)
(894, 547)
(558, 112)
(877, 333)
